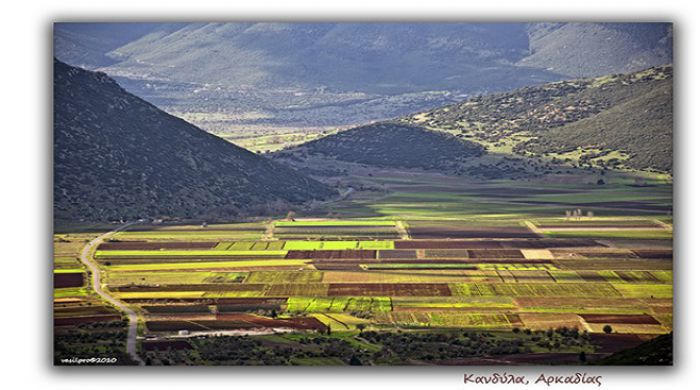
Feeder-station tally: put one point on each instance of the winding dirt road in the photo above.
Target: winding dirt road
(86, 257)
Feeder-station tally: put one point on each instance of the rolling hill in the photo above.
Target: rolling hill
(119, 157)
(392, 145)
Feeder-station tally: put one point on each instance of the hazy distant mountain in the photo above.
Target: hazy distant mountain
(331, 74)
(593, 49)
(88, 44)
(116, 156)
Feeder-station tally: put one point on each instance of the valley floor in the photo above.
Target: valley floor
(406, 269)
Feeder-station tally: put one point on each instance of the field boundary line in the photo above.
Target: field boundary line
(534, 228)
(664, 225)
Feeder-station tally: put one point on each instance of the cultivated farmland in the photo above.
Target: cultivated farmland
(431, 262)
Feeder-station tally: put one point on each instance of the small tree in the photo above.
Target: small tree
(582, 357)
(361, 327)
(607, 329)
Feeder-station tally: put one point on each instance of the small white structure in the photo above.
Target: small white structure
(183, 332)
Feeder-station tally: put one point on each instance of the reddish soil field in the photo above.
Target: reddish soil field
(164, 345)
(620, 319)
(547, 243)
(461, 266)
(339, 254)
(68, 280)
(446, 244)
(143, 245)
(397, 254)
(84, 320)
(388, 289)
(446, 253)
(237, 321)
(542, 243)
(654, 253)
(469, 261)
(166, 309)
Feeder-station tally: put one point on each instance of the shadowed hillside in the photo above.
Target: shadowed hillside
(391, 145)
(116, 156)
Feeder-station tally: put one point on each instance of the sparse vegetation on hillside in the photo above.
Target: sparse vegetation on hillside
(623, 120)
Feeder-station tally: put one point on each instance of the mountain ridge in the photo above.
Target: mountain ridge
(119, 157)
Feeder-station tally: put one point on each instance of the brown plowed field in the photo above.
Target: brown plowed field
(654, 253)
(620, 319)
(84, 320)
(397, 254)
(237, 321)
(76, 279)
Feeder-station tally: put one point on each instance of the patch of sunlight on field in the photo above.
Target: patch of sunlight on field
(338, 304)
(160, 277)
(645, 290)
(70, 292)
(537, 254)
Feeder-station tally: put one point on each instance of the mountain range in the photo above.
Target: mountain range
(342, 74)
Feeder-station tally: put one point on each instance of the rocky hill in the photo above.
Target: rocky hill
(119, 157)
(619, 120)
